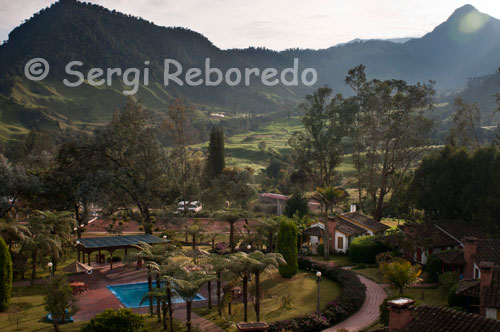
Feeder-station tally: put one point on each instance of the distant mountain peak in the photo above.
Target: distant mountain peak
(462, 11)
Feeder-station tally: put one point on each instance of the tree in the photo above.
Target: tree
(261, 263)
(59, 300)
(219, 265)
(318, 146)
(401, 274)
(5, 275)
(12, 231)
(269, 227)
(186, 281)
(215, 159)
(329, 197)
(134, 163)
(121, 320)
(466, 120)
(241, 265)
(231, 217)
(391, 131)
(14, 182)
(287, 246)
(297, 204)
(233, 185)
(195, 231)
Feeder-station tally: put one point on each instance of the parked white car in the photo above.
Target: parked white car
(194, 206)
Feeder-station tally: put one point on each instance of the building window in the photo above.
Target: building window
(340, 242)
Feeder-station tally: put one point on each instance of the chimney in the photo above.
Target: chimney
(470, 250)
(353, 207)
(400, 313)
(485, 283)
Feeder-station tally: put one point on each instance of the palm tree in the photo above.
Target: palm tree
(328, 197)
(231, 217)
(261, 263)
(211, 236)
(219, 265)
(241, 265)
(269, 227)
(194, 231)
(12, 231)
(401, 274)
(186, 280)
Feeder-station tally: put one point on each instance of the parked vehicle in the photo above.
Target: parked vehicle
(194, 206)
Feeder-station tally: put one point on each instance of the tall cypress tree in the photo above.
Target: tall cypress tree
(5, 275)
(215, 160)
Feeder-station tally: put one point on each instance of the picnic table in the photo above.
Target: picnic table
(79, 287)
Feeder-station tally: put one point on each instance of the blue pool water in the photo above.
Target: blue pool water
(130, 295)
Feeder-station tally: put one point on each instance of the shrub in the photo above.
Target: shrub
(287, 246)
(384, 257)
(364, 250)
(59, 300)
(433, 267)
(121, 320)
(321, 249)
(448, 280)
(5, 275)
(454, 300)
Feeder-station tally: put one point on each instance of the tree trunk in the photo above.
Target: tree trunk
(194, 242)
(158, 302)
(150, 287)
(231, 237)
(209, 288)
(257, 296)
(33, 266)
(219, 305)
(188, 315)
(56, 325)
(245, 297)
(271, 245)
(327, 236)
(170, 308)
(164, 311)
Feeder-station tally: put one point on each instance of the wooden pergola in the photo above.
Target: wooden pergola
(112, 243)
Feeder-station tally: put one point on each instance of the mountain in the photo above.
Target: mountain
(466, 45)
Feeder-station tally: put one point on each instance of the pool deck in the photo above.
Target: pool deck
(99, 298)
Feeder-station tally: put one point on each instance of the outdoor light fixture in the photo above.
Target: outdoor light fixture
(82, 225)
(49, 265)
(249, 247)
(318, 281)
(164, 236)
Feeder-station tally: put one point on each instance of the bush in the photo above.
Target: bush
(349, 301)
(364, 250)
(287, 246)
(5, 275)
(454, 300)
(448, 280)
(321, 249)
(433, 267)
(121, 320)
(59, 300)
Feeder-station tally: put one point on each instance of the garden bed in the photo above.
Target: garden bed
(349, 301)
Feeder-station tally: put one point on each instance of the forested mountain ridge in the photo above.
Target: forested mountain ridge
(466, 45)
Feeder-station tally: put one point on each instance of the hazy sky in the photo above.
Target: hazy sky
(276, 24)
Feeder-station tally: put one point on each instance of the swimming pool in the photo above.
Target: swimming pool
(130, 295)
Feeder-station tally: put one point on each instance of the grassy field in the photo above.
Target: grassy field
(301, 289)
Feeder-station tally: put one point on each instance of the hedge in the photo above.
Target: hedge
(364, 250)
(121, 320)
(350, 300)
(287, 246)
(5, 275)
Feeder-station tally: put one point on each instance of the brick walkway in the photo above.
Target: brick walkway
(201, 323)
(368, 313)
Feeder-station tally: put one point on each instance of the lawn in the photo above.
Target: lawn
(373, 274)
(30, 300)
(431, 296)
(338, 259)
(301, 289)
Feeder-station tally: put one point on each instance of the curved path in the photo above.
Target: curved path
(369, 311)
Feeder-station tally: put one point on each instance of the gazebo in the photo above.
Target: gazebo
(112, 243)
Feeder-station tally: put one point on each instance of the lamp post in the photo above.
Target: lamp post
(249, 247)
(50, 265)
(77, 250)
(318, 281)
